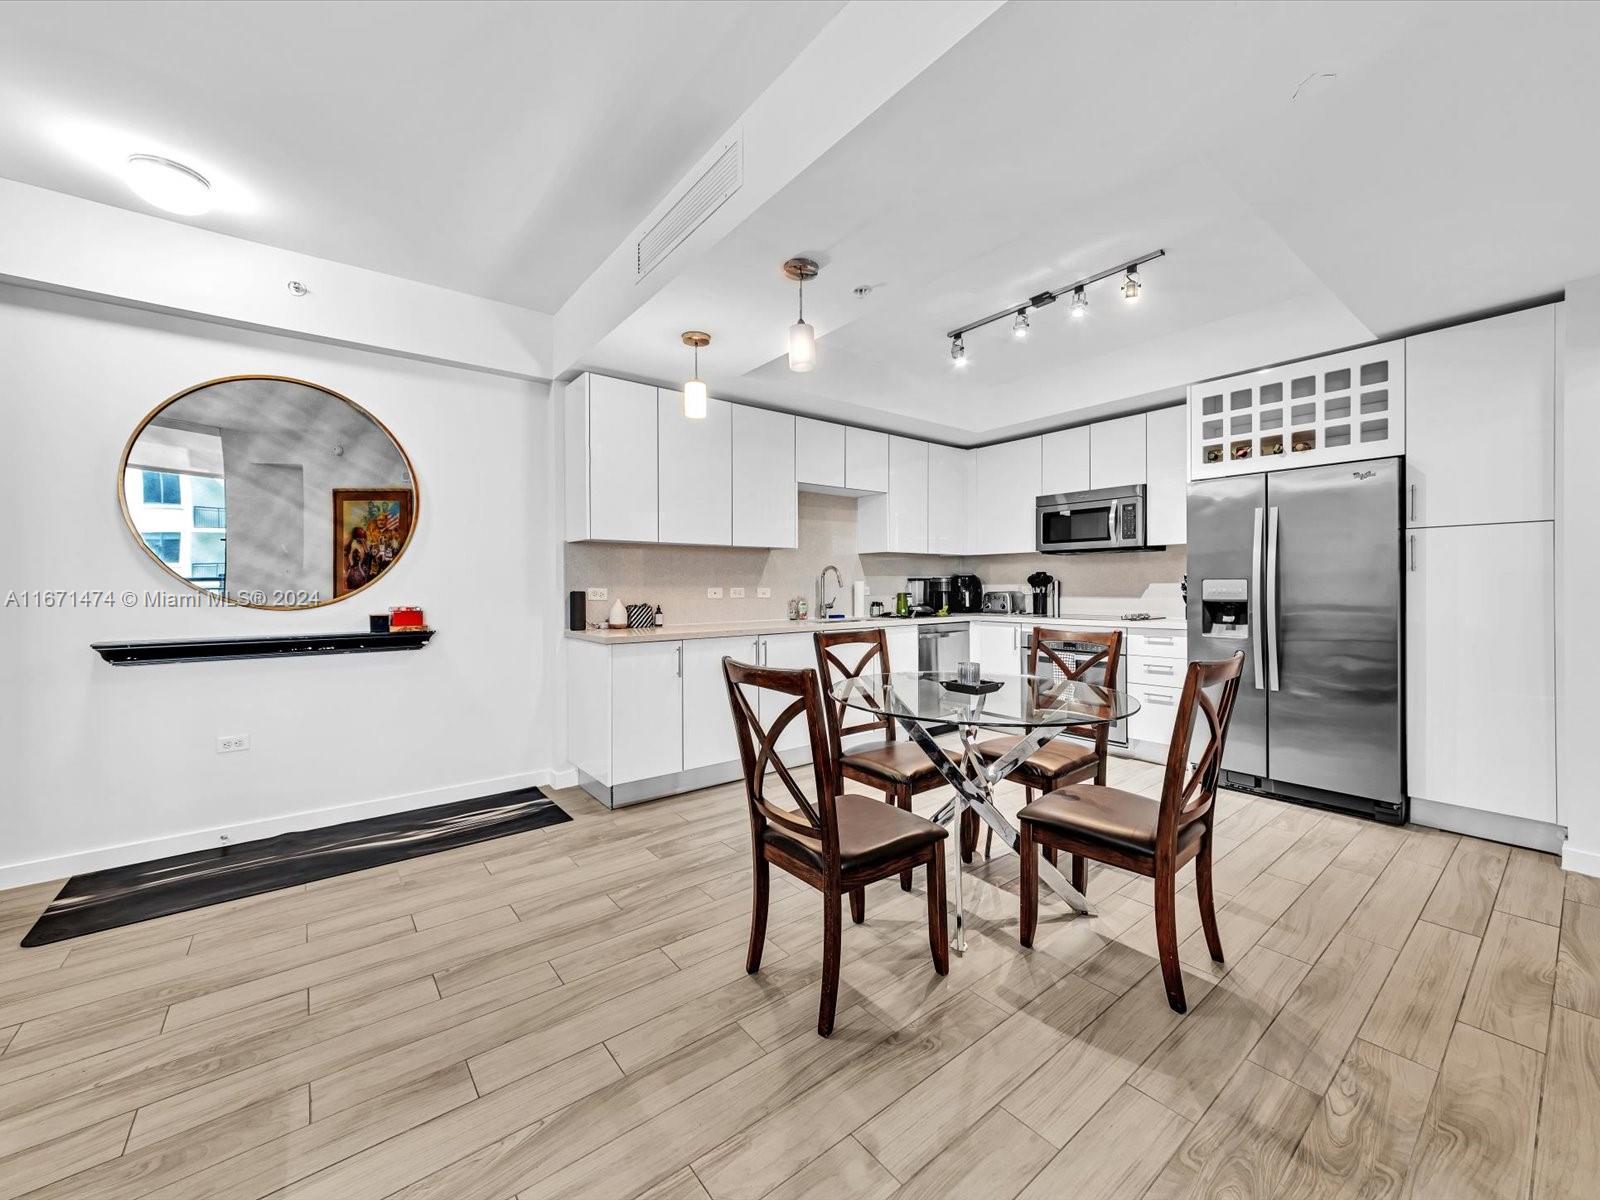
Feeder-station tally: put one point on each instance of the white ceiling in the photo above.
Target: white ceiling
(493, 148)
(505, 150)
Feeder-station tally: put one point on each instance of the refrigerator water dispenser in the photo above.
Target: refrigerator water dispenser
(1225, 608)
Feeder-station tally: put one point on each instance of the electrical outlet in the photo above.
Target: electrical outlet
(232, 743)
(735, 593)
(713, 593)
(597, 593)
(763, 593)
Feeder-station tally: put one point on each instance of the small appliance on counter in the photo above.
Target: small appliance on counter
(966, 594)
(929, 594)
(1002, 602)
(1046, 594)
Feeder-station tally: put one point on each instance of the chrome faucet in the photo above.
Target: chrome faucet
(824, 602)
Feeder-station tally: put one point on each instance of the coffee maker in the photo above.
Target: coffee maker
(929, 594)
(966, 594)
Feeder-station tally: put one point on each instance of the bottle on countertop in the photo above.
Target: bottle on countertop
(660, 620)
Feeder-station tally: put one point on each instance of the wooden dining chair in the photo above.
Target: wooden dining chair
(838, 843)
(897, 768)
(1060, 761)
(1153, 837)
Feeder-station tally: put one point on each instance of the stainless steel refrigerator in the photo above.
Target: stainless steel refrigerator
(1301, 569)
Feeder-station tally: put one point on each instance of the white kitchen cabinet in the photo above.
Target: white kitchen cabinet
(1158, 708)
(949, 489)
(1005, 490)
(1066, 461)
(897, 521)
(902, 641)
(791, 652)
(646, 711)
(866, 460)
(765, 500)
(694, 472)
(996, 647)
(1480, 668)
(708, 729)
(610, 447)
(1166, 477)
(1117, 452)
(1480, 412)
(819, 453)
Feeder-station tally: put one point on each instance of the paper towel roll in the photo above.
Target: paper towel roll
(858, 598)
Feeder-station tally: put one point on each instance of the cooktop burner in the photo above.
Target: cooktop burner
(1138, 616)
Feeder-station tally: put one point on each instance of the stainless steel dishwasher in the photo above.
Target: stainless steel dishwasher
(940, 648)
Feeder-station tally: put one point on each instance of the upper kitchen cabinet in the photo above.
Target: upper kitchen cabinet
(610, 450)
(695, 472)
(1066, 461)
(866, 460)
(1339, 408)
(1166, 511)
(1480, 405)
(1006, 485)
(897, 521)
(818, 453)
(949, 497)
(1117, 452)
(765, 501)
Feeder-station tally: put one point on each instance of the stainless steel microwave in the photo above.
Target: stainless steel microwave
(1102, 519)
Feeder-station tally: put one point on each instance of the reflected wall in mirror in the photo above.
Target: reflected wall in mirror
(269, 492)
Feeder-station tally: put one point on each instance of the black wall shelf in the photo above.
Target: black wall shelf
(138, 654)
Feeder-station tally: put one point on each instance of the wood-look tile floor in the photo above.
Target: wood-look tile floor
(565, 1014)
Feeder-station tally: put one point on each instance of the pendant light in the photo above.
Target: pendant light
(694, 392)
(1131, 285)
(802, 338)
(1080, 305)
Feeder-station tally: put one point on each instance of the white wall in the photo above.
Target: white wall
(102, 765)
(1578, 580)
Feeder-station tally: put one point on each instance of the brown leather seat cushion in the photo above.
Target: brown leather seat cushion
(1124, 820)
(871, 830)
(1056, 757)
(899, 762)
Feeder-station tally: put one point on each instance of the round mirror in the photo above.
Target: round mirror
(268, 492)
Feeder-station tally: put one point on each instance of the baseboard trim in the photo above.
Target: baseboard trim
(1494, 827)
(1580, 862)
(44, 869)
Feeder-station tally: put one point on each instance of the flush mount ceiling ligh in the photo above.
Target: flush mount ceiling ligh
(1131, 287)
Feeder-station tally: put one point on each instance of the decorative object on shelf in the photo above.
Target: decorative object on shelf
(694, 392)
(406, 617)
(273, 445)
(802, 338)
(181, 650)
(617, 618)
(1131, 288)
(378, 622)
(641, 616)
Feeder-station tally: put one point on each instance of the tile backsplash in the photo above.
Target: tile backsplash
(676, 577)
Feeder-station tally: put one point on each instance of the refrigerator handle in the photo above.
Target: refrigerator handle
(1273, 664)
(1256, 598)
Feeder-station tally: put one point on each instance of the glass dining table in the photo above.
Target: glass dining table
(1035, 708)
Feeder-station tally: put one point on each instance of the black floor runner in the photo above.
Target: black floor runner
(126, 895)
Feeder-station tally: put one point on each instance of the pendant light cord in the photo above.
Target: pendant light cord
(802, 284)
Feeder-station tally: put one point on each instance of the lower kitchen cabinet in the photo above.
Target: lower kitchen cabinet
(646, 711)
(1158, 706)
(997, 647)
(708, 729)
(1480, 668)
(789, 651)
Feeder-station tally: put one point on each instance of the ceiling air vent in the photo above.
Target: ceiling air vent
(702, 198)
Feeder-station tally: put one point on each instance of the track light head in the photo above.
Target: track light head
(958, 353)
(1080, 305)
(1131, 286)
(1019, 325)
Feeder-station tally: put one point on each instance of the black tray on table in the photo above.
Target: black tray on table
(982, 688)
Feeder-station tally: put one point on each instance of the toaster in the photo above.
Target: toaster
(997, 602)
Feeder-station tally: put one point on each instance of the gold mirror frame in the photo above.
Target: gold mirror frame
(222, 597)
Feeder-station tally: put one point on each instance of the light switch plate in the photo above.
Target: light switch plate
(763, 593)
(735, 593)
(597, 593)
(713, 593)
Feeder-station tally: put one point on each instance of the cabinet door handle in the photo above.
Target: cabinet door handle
(1158, 641)
(1158, 669)
(1164, 701)
(680, 660)
(1411, 552)
(1411, 502)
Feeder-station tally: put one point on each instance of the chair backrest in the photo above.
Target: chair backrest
(1189, 792)
(833, 669)
(1100, 668)
(813, 823)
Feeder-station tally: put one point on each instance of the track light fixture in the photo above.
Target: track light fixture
(1131, 287)
(802, 338)
(694, 392)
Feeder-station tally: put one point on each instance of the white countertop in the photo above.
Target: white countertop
(1080, 615)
